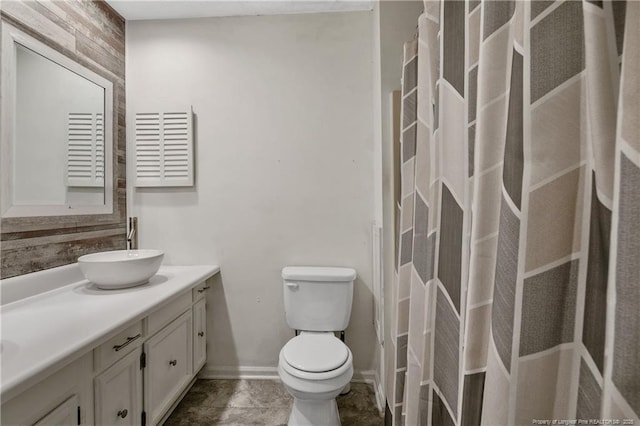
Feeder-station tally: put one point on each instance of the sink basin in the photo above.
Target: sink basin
(120, 268)
(8, 349)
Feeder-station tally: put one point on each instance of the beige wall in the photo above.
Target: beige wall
(284, 165)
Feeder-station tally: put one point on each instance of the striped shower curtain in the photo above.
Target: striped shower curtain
(517, 291)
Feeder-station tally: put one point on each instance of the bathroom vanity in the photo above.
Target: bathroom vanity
(78, 355)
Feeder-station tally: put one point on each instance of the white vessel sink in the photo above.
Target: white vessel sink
(120, 268)
(8, 349)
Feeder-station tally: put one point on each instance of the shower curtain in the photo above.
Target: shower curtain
(517, 290)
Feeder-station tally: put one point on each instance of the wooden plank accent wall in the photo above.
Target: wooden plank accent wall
(92, 34)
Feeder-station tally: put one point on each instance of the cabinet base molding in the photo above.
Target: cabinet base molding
(178, 400)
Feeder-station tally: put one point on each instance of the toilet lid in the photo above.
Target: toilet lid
(315, 352)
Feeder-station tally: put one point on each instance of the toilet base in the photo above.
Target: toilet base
(314, 413)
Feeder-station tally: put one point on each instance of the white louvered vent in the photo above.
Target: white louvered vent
(85, 149)
(164, 149)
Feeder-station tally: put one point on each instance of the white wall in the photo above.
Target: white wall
(284, 164)
(376, 240)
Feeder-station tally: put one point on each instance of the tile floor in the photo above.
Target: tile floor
(264, 403)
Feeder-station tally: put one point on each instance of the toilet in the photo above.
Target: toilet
(315, 366)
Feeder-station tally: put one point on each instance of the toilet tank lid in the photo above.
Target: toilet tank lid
(318, 273)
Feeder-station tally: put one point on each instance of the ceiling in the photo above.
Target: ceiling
(177, 9)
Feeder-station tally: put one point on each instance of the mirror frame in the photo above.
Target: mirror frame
(11, 36)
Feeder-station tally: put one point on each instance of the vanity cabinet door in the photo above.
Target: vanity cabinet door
(118, 393)
(65, 414)
(199, 335)
(169, 366)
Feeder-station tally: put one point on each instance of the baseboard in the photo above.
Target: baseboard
(271, 373)
(239, 373)
(372, 377)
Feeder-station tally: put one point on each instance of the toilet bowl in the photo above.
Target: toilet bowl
(314, 368)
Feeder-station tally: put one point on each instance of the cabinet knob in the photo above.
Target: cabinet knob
(123, 413)
(173, 362)
(203, 289)
(201, 333)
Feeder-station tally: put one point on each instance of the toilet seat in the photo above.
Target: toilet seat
(315, 352)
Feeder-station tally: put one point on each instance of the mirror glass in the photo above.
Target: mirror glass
(59, 134)
(56, 132)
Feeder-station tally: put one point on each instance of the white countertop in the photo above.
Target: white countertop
(46, 331)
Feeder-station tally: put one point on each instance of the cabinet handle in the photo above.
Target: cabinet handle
(123, 413)
(173, 362)
(203, 289)
(201, 333)
(129, 340)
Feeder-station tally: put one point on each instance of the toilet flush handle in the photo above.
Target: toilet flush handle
(292, 286)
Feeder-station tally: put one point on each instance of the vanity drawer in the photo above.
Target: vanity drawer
(168, 313)
(118, 346)
(200, 291)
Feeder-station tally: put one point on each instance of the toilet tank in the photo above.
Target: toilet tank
(318, 298)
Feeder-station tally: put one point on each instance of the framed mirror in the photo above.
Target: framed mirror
(56, 132)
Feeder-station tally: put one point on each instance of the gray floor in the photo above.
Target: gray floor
(264, 403)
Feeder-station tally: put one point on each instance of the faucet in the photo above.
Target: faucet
(132, 236)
